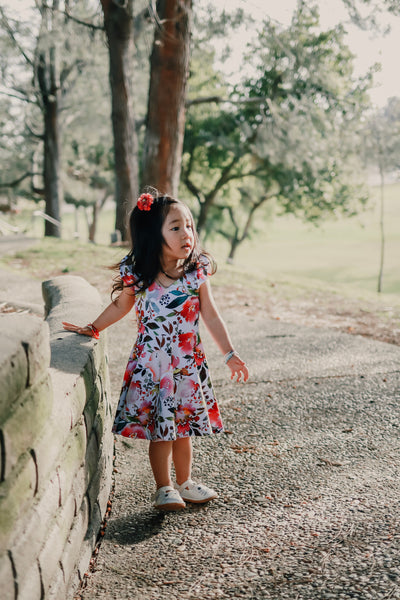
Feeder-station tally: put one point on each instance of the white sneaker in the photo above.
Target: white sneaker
(166, 498)
(195, 492)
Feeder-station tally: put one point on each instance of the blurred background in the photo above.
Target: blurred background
(277, 123)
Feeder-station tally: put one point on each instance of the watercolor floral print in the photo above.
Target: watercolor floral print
(167, 391)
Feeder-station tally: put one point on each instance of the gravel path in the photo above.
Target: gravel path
(307, 473)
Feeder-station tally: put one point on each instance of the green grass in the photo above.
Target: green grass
(340, 255)
(344, 253)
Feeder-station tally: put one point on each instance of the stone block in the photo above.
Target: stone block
(100, 485)
(92, 532)
(70, 295)
(26, 423)
(69, 559)
(92, 457)
(89, 543)
(51, 554)
(31, 532)
(8, 583)
(29, 583)
(56, 443)
(37, 347)
(24, 356)
(79, 485)
(13, 368)
(58, 588)
(92, 405)
(20, 487)
(76, 399)
(99, 352)
(71, 462)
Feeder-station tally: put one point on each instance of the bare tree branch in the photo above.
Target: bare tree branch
(39, 136)
(10, 32)
(10, 95)
(67, 14)
(220, 100)
(16, 182)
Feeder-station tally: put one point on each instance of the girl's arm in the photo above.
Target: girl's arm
(113, 313)
(219, 332)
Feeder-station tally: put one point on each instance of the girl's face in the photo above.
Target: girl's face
(177, 231)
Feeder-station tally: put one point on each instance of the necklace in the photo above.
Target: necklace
(166, 274)
(169, 276)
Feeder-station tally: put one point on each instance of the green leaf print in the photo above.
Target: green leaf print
(177, 302)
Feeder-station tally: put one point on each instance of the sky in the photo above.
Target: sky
(368, 47)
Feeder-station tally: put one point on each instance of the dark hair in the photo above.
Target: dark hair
(147, 243)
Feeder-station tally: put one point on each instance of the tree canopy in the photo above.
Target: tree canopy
(293, 125)
(288, 131)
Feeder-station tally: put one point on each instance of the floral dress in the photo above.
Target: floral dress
(167, 392)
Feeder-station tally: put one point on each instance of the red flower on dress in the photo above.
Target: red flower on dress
(133, 430)
(145, 201)
(198, 355)
(187, 342)
(143, 412)
(167, 385)
(128, 279)
(190, 310)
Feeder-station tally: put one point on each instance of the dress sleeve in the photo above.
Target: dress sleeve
(126, 272)
(203, 270)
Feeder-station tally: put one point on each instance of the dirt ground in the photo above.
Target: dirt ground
(310, 307)
(319, 310)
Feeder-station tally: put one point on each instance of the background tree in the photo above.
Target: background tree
(118, 23)
(382, 151)
(165, 121)
(49, 66)
(89, 181)
(292, 125)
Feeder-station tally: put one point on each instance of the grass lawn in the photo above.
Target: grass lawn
(340, 256)
(344, 253)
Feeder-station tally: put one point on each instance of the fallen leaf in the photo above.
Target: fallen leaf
(330, 463)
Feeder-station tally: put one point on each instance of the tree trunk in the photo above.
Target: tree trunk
(51, 166)
(165, 123)
(93, 224)
(203, 213)
(118, 23)
(47, 76)
(382, 228)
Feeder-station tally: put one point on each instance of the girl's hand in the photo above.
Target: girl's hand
(238, 368)
(86, 330)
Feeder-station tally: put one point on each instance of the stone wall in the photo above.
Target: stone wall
(56, 444)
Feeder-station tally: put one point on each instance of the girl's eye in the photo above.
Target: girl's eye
(175, 229)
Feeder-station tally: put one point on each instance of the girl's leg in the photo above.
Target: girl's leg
(160, 455)
(182, 456)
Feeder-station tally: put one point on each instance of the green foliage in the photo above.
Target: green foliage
(367, 14)
(293, 125)
(381, 133)
(82, 72)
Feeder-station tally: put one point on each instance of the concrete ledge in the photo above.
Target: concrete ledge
(56, 444)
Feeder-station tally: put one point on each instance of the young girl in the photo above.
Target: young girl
(167, 395)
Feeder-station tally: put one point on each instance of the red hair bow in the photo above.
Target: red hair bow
(145, 201)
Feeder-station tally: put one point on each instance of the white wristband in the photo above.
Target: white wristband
(229, 355)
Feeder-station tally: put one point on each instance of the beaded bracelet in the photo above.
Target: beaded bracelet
(95, 331)
(229, 355)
